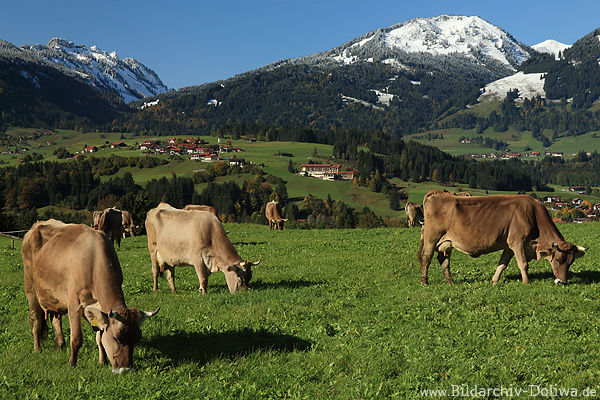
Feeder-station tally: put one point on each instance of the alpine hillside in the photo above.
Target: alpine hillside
(397, 80)
(37, 93)
(128, 78)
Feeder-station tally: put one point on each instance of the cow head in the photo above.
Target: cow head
(279, 223)
(118, 332)
(561, 256)
(238, 275)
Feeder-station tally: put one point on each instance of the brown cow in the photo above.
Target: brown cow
(128, 224)
(414, 213)
(179, 237)
(199, 207)
(273, 216)
(518, 225)
(72, 268)
(111, 223)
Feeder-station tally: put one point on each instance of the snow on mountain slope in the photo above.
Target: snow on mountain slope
(471, 36)
(448, 35)
(551, 47)
(529, 85)
(129, 78)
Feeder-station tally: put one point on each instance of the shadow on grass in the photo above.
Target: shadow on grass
(247, 243)
(577, 278)
(293, 284)
(182, 347)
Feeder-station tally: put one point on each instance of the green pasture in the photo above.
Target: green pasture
(330, 314)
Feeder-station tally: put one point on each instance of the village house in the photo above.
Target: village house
(237, 161)
(117, 145)
(325, 171)
(90, 149)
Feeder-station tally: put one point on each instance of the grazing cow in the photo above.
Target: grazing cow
(73, 269)
(96, 218)
(128, 224)
(414, 213)
(518, 225)
(111, 223)
(201, 208)
(273, 216)
(467, 194)
(179, 237)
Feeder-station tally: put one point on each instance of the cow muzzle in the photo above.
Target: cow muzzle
(560, 282)
(121, 370)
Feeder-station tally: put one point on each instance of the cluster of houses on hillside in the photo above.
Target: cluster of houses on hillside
(326, 172)
(508, 156)
(590, 211)
(197, 149)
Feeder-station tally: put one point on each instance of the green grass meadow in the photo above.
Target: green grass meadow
(330, 314)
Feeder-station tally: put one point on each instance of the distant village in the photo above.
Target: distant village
(577, 210)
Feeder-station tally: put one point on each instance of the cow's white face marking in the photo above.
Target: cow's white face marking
(121, 370)
(559, 282)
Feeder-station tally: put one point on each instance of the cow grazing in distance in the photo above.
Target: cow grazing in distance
(273, 216)
(96, 218)
(518, 225)
(199, 207)
(111, 223)
(128, 224)
(73, 269)
(179, 237)
(414, 213)
(467, 194)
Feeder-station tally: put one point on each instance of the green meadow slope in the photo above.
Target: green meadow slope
(331, 314)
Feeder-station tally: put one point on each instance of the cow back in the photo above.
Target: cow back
(180, 236)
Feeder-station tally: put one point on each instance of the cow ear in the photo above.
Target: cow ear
(580, 252)
(541, 253)
(145, 315)
(96, 317)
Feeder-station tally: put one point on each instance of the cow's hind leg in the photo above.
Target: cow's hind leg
(502, 264)
(59, 338)
(171, 277)
(155, 272)
(37, 322)
(444, 259)
(425, 256)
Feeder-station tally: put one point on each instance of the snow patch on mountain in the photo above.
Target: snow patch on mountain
(529, 86)
(128, 78)
(551, 47)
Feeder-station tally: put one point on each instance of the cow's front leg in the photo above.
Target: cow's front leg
(202, 273)
(101, 352)
(502, 264)
(522, 262)
(444, 259)
(75, 315)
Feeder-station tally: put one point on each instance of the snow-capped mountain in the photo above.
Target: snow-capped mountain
(469, 39)
(128, 78)
(551, 47)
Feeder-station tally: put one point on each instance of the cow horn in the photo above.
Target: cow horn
(581, 249)
(147, 314)
(256, 263)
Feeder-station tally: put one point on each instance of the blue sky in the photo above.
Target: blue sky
(192, 42)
